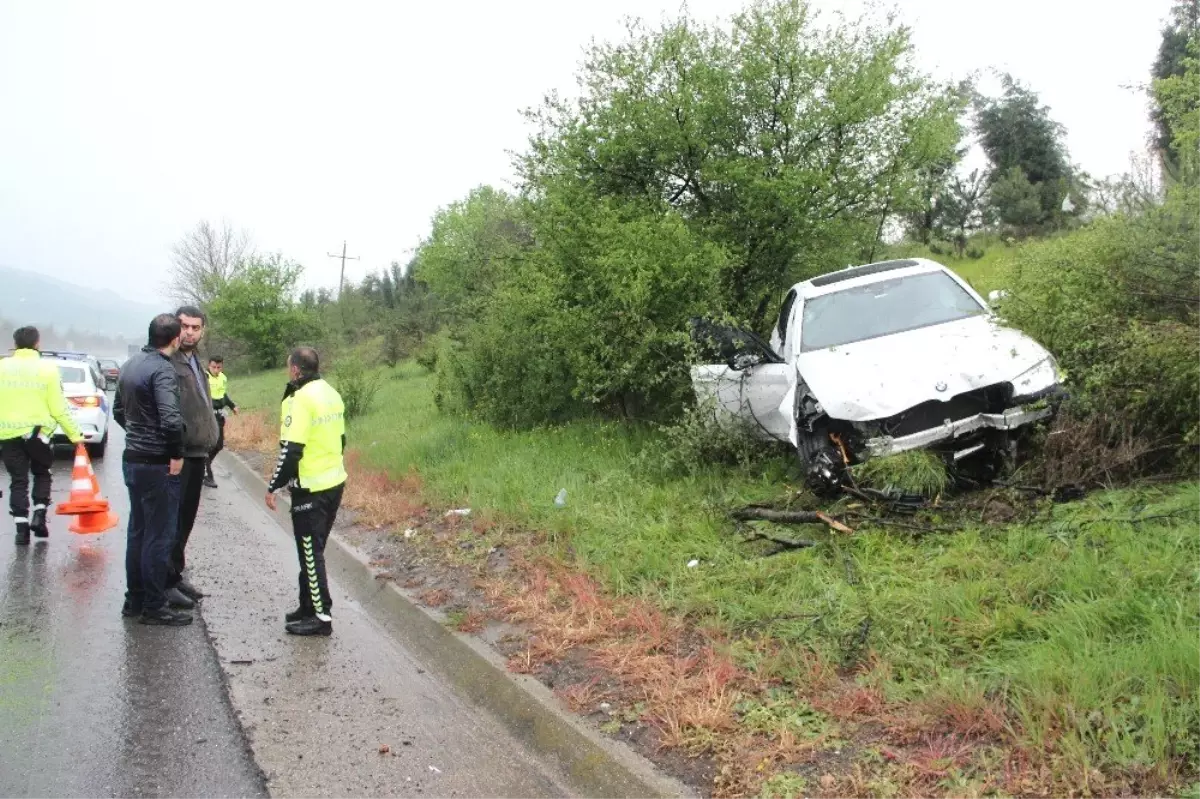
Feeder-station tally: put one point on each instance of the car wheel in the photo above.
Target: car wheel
(820, 462)
(97, 450)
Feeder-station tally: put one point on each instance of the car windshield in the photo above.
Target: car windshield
(71, 374)
(106, 364)
(884, 308)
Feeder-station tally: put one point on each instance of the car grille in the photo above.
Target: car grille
(933, 413)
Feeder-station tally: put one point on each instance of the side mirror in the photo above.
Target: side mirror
(744, 360)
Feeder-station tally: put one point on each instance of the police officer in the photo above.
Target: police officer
(312, 441)
(218, 390)
(31, 403)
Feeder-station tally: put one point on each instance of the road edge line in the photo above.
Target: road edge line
(586, 759)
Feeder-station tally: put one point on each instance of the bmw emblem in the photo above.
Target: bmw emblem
(941, 385)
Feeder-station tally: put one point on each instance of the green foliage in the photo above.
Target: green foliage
(357, 384)
(914, 472)
(1117, 303)
(1175, 93)
(1031, 171)
(779, 140)
(1177, 108)
(257, 308)
(474, 245)
(702, 170)
(700, 440)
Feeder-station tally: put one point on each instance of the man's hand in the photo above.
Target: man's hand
(235, 411)
(271, 501)
(176, 467)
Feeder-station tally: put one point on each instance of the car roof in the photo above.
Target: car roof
(866, 274)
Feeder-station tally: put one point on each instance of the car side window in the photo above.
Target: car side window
(785, 313)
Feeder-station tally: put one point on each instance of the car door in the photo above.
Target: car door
(752, 384)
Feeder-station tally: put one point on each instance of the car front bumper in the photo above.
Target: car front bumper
(1008, 420)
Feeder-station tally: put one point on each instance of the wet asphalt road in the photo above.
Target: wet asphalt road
(92, 704)
(95, 705)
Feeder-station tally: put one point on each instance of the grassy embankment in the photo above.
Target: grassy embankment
(1058, 654)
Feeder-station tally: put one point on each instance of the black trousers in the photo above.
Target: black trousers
(191, 481)
(313, 514)
(21, 456)
(220, 441)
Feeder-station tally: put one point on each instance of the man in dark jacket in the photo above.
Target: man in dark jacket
(199, 438)
(147, 409)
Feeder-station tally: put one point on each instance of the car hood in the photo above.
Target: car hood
(880, 377)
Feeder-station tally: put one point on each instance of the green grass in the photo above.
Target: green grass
(1083, 625)
(985, 274)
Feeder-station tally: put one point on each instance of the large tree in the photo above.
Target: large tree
(786, 142)
(204, 260)
(1028, 158)
(1178, 40)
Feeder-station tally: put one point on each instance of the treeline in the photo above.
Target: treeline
(70, 339)
(705, 168)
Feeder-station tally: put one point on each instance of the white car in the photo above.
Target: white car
(879, 359)
(83, 384)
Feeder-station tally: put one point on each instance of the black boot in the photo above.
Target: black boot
(22, 534)
(208, 476)
(310, 626)
(37, 523)
(298, 614)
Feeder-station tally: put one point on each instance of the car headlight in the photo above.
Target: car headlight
(1044, 375)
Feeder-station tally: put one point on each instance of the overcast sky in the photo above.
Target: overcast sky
(125, 123)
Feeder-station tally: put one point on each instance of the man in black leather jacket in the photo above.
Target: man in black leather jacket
(147, 409)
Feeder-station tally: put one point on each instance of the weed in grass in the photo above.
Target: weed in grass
(786, 785)
(914, 472)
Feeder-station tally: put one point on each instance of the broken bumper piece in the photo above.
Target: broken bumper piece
(1009, 420)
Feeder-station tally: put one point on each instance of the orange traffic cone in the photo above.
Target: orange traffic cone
(91, 511)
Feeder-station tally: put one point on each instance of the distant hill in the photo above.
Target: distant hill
(31, 298)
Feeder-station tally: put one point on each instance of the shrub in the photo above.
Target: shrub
(1117, 304)
(701, 439)
(357, 384)
(975, 253)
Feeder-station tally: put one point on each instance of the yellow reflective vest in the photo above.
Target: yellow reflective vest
(313, 416)
(218, 386)
(31, 396)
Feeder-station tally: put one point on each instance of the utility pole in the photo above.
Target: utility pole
(342, 277)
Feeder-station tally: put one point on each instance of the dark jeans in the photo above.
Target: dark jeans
(191, 481)
(220, 441)
(313, 513)
(20, 456)
(153, 522)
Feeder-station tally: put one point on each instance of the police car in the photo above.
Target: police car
(83, 384)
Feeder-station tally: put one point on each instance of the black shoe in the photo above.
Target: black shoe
(177, 599)
(310, 626)
(22, 534)
(165, 617)
(299, 614)
(129, 610)
(209, 481)
(37, 523)
(190, 591)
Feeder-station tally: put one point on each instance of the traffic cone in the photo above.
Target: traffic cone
(90, 509)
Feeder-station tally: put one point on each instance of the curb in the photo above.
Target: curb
(592, 764)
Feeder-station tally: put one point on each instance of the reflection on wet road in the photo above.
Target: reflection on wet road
(92, 704)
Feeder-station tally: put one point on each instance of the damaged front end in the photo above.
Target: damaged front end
(961, 425)
(980, 422)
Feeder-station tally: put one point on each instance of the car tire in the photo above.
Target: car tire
(812, 450)
(97, 450)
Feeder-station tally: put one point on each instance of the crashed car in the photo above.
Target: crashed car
(879, 359)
